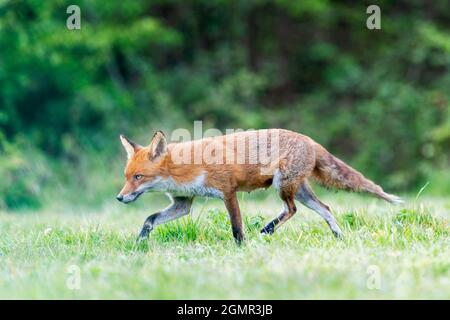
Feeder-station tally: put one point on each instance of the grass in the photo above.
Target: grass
(391, 252)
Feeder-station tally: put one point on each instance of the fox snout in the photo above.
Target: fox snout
(121, 198)
(128, 197)
(128, 193)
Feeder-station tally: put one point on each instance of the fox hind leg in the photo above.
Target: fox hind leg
(288, 212)
(307, 197)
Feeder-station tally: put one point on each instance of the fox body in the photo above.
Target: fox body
(221, 166)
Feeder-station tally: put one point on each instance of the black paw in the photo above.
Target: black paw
(140, 239)
(143, 235)
(239, 241)
(338, 235)
(268, 230)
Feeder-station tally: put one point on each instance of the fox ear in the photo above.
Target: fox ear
(130, 146)
(158, 145)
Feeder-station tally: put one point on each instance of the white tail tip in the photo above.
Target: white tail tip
(394, 199)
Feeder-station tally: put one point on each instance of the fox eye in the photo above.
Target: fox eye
(137, 176)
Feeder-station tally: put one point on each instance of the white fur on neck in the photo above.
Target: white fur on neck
(196, 187)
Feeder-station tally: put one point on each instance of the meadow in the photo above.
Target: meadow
(388, 252)
(377, 99)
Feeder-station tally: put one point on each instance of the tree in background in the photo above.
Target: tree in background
(377, 98)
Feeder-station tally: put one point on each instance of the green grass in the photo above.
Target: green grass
(388, 252)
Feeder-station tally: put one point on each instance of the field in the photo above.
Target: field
(388, 252)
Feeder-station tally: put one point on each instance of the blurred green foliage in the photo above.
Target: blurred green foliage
(379, 99)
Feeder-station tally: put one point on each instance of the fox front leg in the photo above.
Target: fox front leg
(180, 206)
(234, 212)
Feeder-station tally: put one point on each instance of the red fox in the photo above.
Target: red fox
(291, 160)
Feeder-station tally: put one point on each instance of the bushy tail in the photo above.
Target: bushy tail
(334, 173)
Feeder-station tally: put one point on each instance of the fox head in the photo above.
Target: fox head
(144, 166)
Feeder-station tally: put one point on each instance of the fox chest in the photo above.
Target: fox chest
(197, 187)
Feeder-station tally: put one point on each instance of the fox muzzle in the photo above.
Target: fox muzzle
(128, 197)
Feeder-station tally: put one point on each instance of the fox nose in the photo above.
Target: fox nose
(119, 197)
